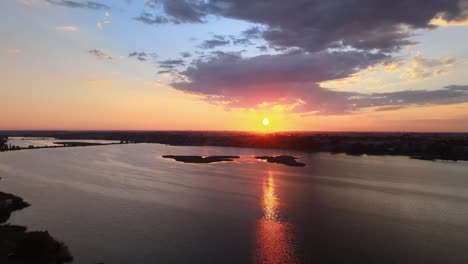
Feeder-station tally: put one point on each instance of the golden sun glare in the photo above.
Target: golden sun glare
(266, 122)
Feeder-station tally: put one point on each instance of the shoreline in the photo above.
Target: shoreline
(20, 246)
(423, 146)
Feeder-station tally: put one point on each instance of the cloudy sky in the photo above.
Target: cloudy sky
(350, 65)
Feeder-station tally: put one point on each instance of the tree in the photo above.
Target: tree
(3, 145)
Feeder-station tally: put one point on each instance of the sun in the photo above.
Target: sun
(266, 122)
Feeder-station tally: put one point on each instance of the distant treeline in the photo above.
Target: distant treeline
(3, 143)
(446, 146)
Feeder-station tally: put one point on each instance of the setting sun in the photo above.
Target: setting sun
(266, 122)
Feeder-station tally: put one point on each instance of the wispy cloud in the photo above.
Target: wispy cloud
(388, 108)
(399, 70)
(75, 4)
(215, 42)
(141, 56)
(172, 62)
(105, 21)
(67, 28)
(186, 54)
(422, 68)
(99, 54)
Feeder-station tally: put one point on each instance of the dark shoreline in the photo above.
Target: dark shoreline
(424, 146)
(200, 159)
(282, 159)
(19, 246)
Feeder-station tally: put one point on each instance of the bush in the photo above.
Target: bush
(39, 247)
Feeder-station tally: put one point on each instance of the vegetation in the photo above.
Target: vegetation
(8, 204)
(17, 246)
(3, 143)
(428, 146)
(200, 159)
(286, 160)
(39, 247)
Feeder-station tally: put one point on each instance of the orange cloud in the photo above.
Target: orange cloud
(67, 28)
(439, 21)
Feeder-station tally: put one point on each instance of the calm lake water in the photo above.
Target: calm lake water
(126, 204)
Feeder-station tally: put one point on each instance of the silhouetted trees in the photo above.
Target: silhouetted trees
(446, 146)
(3, 144)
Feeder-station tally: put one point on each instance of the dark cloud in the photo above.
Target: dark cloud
(184, 10)
(262, 48)
(186, 54)
(247, 36)
(219, 53)
(166, 66)
(459, 88)
(230, 69)
(315, 25)
(170, 65)
(240, 41)
(319, 41)
(133, 54)
(99, 54)
(81, 4)
(388, 108)
(453, 94)
(172, 62)
(141, 56)
(293, 79)
(247, 82)
(253, 32)
(151, 19)
(165, 71)
(215, 42)
(177, 11)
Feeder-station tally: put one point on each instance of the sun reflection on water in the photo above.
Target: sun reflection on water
(270, 200)
(273, 235)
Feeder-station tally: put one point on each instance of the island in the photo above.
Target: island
(200, 159)
(282, 159)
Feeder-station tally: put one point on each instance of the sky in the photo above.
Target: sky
(306, 65)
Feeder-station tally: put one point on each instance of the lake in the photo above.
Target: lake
(127, 204)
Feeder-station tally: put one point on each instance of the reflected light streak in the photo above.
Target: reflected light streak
(273, 236)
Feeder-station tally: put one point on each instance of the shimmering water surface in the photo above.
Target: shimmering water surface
(126, 204)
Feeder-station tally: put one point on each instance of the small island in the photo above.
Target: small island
(282, 159)
(200, 159)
